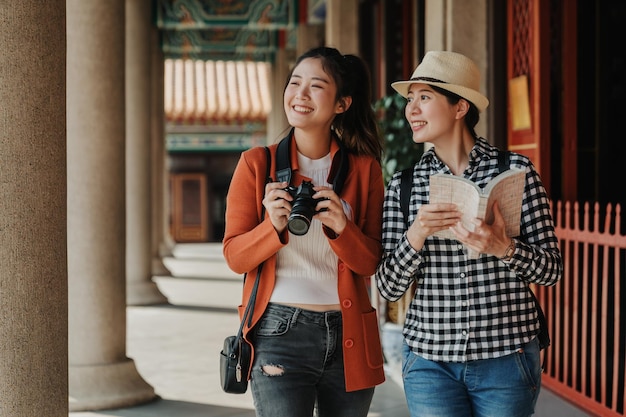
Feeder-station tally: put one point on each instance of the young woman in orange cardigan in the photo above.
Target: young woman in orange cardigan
(314, 332)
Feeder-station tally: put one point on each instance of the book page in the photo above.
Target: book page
(465, 194)
(507, 188)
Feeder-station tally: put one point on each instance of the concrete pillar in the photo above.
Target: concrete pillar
(309, 36)
(101, 376)
(33, 241)
(162, 244)
(461, 26)
(140, 289)
(467, 34)
(435, 25)
(342, 25)
(277, 124)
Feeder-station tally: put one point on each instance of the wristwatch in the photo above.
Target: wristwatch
(508, 253)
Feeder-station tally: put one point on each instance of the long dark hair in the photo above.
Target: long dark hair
(356, 127)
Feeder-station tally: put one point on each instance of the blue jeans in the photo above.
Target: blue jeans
(502, 387)
(298, 366)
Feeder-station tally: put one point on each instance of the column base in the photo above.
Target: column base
(158, 267)
(144, 294)
(108, 386)
(166, 248)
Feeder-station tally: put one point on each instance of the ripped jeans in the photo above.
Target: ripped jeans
(298, 366)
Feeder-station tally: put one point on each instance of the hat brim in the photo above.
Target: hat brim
(481, 102)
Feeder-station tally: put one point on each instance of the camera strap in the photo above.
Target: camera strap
(283, 164)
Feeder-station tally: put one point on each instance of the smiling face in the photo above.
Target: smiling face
(310, 97)
(431, 116)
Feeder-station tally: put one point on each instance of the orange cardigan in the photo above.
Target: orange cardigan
(248, 242)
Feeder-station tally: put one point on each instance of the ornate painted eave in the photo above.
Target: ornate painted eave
(226, 29)
(212, 142)
(223, 43)
(254, 14)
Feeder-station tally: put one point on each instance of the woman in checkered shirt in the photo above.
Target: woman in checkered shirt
(470, 333)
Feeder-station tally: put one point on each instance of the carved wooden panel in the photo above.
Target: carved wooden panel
(529, 61)
(189, 207)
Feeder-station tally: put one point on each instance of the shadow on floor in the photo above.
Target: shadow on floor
(161, 407)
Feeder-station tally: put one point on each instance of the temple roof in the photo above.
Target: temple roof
(208, 92)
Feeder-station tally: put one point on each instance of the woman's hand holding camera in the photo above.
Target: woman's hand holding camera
(277, 202)
(330, 209)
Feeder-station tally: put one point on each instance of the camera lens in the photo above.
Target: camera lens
(298, 224)
(302, 208)
(302, 212)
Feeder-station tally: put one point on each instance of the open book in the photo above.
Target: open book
(507, 188)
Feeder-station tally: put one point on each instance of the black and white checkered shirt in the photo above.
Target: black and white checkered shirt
(468, 309)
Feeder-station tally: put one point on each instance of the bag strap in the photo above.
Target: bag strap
(544, 334)
(406, 181)
(268, 177)
(504, 160)
(247, 315)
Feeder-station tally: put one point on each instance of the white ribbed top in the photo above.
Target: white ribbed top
(306, 270)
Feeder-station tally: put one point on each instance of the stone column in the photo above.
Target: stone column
(342, 25)
(461, 26)
(140, 289)
(467, 34)
(101, 376)
(309, 36)
(277, 124)
(162, 244)
(33, 238)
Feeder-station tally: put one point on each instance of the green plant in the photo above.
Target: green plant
(400, 151)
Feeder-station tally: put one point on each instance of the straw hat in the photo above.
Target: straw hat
(448, 70)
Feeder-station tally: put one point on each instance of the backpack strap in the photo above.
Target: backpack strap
(504, 158)
(544, 332)
(406, 181)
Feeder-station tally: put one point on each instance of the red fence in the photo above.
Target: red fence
(586, 361)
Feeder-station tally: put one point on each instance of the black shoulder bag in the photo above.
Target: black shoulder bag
(406, 181)
(236, 354)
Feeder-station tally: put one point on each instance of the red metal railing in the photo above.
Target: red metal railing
(586, 361)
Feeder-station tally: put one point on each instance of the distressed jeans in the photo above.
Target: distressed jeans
(298, 366)
(501, 387)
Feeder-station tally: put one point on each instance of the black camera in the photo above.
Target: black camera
(302, 208)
